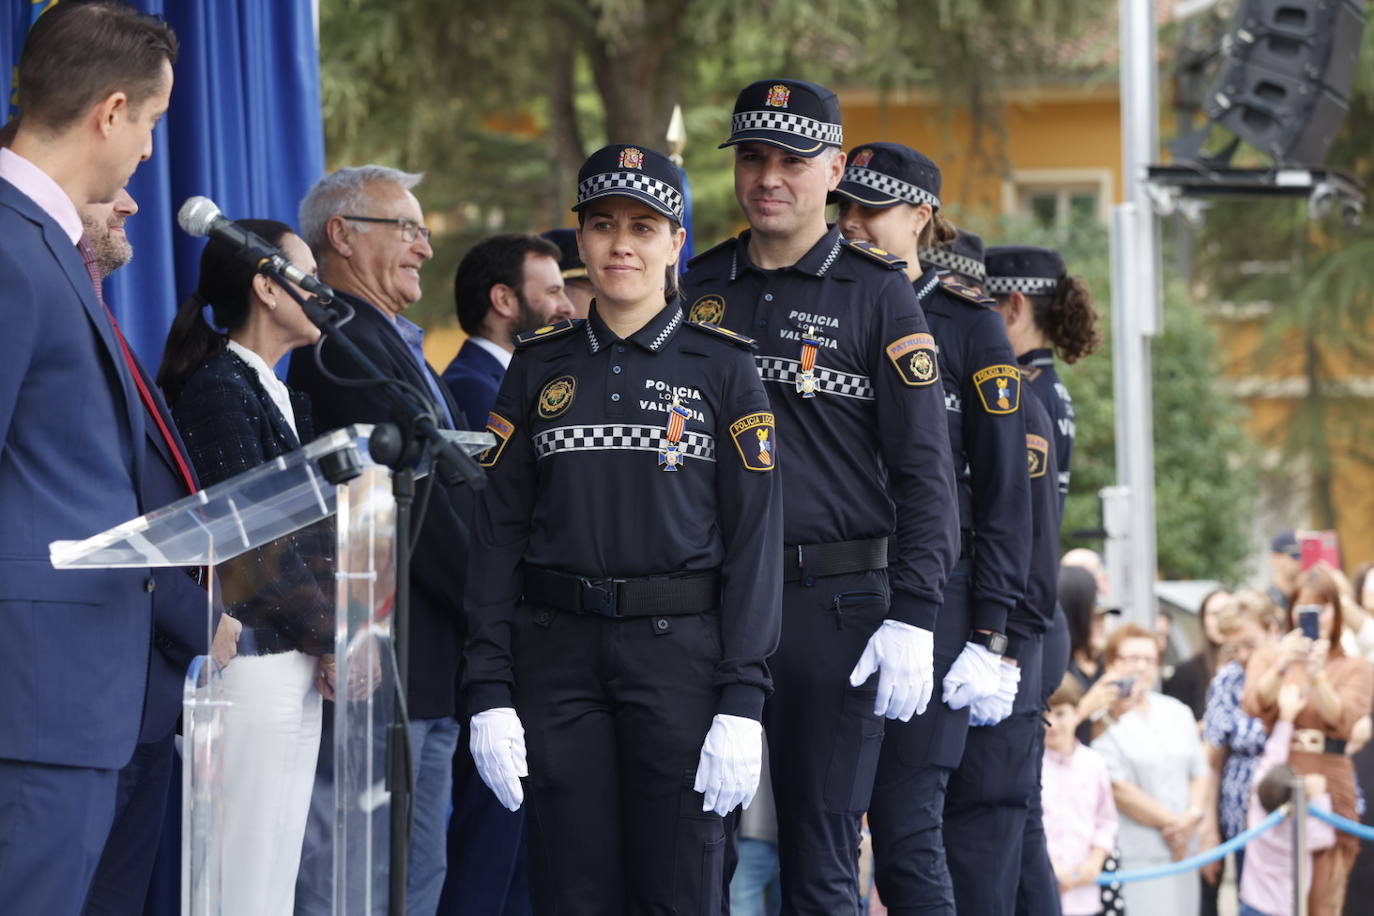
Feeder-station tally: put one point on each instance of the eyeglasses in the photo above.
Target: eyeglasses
(1138, 659)
(409, 228)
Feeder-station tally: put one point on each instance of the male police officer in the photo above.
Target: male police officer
(850, 367)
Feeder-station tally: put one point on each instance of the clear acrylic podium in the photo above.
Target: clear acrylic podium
(308, 567)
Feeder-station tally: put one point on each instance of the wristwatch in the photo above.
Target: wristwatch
(996, 643)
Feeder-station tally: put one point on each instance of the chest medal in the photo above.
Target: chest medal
(670, 455)
(806, 376)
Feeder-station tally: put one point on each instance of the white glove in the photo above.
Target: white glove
(973, 676)
(904, 657)
(498, 749)
(992, 710)
(731, 763)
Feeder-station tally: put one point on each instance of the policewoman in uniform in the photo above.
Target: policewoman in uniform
(889, 197)
(625, 572)
(850, 367)
(1047, 312)
(959, 258)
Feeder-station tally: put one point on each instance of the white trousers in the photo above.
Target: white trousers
(271, 743)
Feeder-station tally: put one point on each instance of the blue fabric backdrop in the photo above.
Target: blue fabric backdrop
(244, 129)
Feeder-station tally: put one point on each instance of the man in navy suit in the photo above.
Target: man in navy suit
(179, 626)
(74, 658)
(506, 285)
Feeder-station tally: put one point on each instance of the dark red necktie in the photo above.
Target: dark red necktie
(93, 268)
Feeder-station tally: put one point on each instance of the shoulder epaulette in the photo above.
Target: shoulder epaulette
(549, 332)
(715, 330)
(881, 255)
(710, 251)
(966, 293)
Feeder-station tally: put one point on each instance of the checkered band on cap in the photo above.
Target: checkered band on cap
(614, 182)
(892, 187)
(1031, 286)
(785, 122)
(949, 260)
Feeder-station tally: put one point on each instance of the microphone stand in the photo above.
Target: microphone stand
(418, 437)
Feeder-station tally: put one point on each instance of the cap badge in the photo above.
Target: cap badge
(778, 94)
(631, 158)
(862, 158)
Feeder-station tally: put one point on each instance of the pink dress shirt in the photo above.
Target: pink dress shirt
(1266, 884)
(1080, 815)
(38, 186)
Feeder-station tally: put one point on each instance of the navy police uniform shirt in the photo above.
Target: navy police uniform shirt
(1036, 610)
(1042, 376)
(982, 388)
(578, 483)
(876, 424)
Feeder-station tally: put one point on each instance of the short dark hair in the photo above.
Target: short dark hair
(496, 260)
(77, 53)
(1275, 787)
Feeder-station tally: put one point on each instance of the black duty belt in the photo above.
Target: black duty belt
(800, 561)
(650, 596)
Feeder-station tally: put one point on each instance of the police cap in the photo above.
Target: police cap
(964, 256)
(887, 174)
(569, 260)
(621, 170)
(1023, 269)
(798, 116)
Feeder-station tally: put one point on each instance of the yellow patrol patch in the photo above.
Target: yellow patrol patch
(502, 429)
(999, 388)
(756, 440)
(707, 310)
(914, 358)
(557, 396)
(1037, 454)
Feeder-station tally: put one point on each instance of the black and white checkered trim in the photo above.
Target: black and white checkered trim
(591, 338)
(606, 437)
(830, 258)
(667, 331)
(960, 264)
(785, 122)
(845, 384)
(892, 187)
(953, 402)
(1031, 286)
(929, 288)
(615, 182)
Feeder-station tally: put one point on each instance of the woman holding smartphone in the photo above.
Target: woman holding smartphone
(1339, 689)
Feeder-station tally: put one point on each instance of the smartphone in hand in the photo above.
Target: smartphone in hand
(1309, 616)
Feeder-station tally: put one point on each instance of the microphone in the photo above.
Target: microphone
(199, 216)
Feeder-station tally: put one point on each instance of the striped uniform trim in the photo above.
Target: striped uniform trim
(962, 264)
(928, 288)
(608, 437)
(845, 384)
(892, 187)
(611, 182)
(787, 123)
(667, 331)
(591, 338)
(1002, 286)
(830, 258)
(953, 402)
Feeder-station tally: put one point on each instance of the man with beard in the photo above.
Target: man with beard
(506, 285)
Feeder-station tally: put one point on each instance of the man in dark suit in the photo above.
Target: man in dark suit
(506, 285)
(180, 625)
(74, 658)
(368, 234)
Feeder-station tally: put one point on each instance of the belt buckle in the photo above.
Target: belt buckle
(1309, 740)
(598, 596)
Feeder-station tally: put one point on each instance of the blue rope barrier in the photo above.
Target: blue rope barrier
(1199, 860)
(1355, 828)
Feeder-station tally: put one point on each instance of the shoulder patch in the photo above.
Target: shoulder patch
(913, 356)
(965, 293)
(715, 330)
(708, 309)
(999, 388)
(502, 429)
(549, 331)
(716, 249)
(1037, 455)
(881, 255)
(754, 437)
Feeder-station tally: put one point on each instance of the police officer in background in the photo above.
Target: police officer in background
(890, 197)
(613, 646)
(576, 286)
(959, 258)
(850, 367)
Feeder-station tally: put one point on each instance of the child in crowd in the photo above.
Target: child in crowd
(1080, 815)
(1266, 884)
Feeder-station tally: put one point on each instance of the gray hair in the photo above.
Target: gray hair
(340, 192)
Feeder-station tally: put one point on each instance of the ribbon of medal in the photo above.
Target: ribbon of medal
(670, 455)
(806, 378)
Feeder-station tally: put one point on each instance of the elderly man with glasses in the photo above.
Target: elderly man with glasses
(368, 234)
